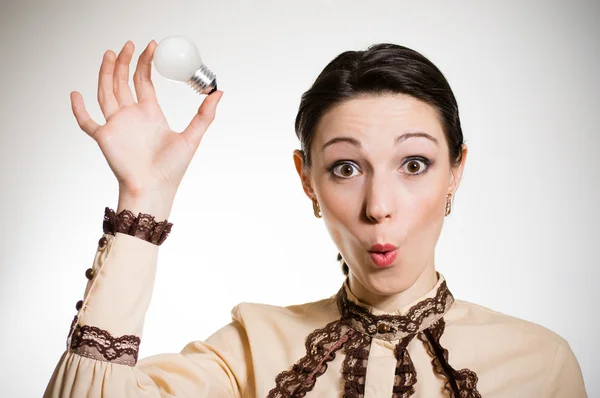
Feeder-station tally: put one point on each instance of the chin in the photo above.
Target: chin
(387, 281)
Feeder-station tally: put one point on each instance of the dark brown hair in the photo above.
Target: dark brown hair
(380, 69)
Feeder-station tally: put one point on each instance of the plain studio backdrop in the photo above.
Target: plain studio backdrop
(522, 238)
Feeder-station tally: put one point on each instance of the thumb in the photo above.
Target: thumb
(202, 120)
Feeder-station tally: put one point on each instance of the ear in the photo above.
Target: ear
(456, 172)
(303, 174)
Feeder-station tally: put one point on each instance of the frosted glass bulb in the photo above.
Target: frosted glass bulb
(177, 58)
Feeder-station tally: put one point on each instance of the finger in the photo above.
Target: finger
(121, 77)
(84, 120)
(106, 97)
(205, 116)
(144, 89)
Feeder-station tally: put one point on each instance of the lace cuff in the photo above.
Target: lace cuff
(98, 344)
(143, 226)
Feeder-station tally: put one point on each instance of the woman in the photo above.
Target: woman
(382, 157)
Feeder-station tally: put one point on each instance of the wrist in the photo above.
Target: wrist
(157, 204)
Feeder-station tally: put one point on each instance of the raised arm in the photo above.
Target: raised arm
(149, 161)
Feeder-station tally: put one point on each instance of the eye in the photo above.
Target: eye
(416, 166)
(344, 169)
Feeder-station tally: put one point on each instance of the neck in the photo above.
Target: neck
(397, 301)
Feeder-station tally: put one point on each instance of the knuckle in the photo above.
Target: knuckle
(208, 116)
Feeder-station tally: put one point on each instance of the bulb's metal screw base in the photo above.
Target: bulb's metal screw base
(204, 81)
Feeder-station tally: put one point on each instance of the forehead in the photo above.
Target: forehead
(379, 117)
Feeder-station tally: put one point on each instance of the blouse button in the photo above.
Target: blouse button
(102, 242)
(89, 273)
(383, 328)
(79, 305)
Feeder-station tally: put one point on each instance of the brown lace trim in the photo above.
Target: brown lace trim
(143, 226)
(95, 343)
(406, 374)
(396, 327)
(459, 384)
(354, 367)
(321, 348)
(353, 334)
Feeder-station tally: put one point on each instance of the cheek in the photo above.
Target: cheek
(342, 206)
(429, 215)
(432, 197)
(433, 205)
(421, 211)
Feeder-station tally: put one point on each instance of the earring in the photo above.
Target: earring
(316, 208)
(448, 204)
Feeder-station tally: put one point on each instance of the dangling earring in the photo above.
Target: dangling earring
(448, 204)
(316, 208)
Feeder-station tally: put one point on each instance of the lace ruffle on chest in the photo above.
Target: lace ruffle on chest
(352, 335)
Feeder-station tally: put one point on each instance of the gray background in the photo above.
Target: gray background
(522, 238)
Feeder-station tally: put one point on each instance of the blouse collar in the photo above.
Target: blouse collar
(390, 326)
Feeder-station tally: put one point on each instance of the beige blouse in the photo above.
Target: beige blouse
(335, 347)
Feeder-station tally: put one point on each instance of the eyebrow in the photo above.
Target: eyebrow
(399, 139)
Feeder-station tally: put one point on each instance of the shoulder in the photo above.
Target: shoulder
(469, 314)
(489, 328)
(527, 345)
(265, 323)
(311, 312)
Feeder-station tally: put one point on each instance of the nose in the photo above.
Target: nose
(379, 200)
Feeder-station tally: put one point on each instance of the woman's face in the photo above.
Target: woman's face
(380, 173)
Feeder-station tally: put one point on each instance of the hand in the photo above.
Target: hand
(146, 156)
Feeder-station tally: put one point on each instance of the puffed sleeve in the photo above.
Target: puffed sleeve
(565, 379)
(101, 358)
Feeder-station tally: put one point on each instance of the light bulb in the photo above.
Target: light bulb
(177, 58)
